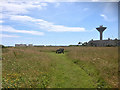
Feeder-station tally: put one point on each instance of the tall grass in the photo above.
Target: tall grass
(31, 66)
(0, 74)
(25, 67)
(104, 59)
(0, 67)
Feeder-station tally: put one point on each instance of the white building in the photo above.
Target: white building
(20, 45)
(30, 45)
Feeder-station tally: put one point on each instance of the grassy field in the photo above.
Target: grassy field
(41, 67)
(0, 67)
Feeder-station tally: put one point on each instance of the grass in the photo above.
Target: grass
(23, 67)
(41, 67)
(66, 74)
(0, 67)
(103, 59)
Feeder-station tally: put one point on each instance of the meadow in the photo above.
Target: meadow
(41, 67)
(0, 67)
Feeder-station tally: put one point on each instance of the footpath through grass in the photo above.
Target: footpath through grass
(67, 74)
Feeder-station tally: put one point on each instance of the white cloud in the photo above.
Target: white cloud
(61, 28)
(1, 21)
(104, 0)
(79, 0)
(21, 18)
(104, 16)
(107, 18)
(57, 4)
(11, 29)
(95, 0)
(19, 7)
(85, 9)
(45, 25)
(110, 12)
(5, 35)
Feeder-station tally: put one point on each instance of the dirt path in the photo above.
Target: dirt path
(65, 74)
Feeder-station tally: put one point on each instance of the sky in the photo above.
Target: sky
(56, 22)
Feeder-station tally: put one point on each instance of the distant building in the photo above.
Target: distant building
(101, 42)
(20, 45)
(30, 45)
(38, 45)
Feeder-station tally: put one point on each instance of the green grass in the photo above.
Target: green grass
(41, 67)
(104, 60)
(25, 68)
(0, 67)
(0, 74)
(92, 71)
(66, 74)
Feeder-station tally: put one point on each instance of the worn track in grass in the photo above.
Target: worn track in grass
(67, 74)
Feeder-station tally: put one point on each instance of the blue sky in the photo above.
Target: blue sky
(56, 23)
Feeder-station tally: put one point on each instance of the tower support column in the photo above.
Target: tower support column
(100, 35)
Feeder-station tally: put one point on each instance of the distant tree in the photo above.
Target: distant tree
(84, 44)
(79, 43)
(108, 38)
(91, 40)
(2, 46)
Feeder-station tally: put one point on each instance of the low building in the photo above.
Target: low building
(30, 45)
(20, 45)
(38, 45)
(102, 43)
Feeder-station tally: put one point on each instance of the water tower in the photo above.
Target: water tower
(101, 29)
